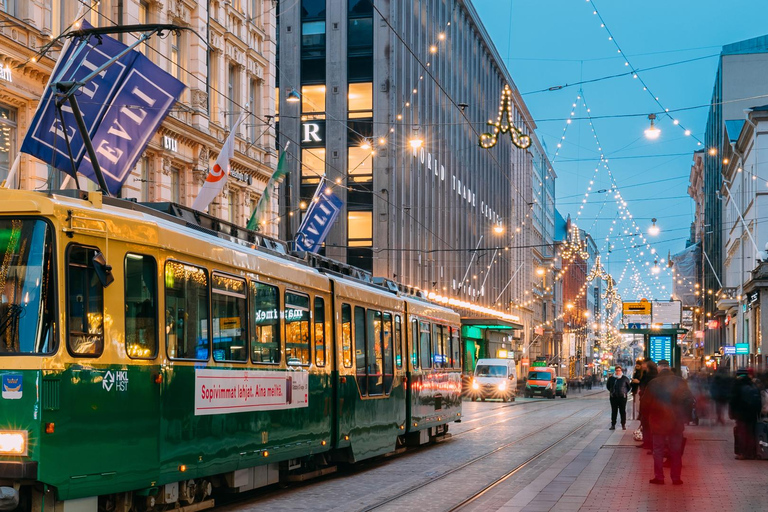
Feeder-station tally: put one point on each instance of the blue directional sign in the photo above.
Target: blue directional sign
(729, 350)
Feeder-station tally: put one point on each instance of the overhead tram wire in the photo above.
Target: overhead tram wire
(618, 75)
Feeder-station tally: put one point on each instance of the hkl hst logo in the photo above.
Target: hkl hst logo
(119, 380)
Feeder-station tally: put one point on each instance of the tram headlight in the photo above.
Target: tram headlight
(503, 385)
(13, 442)
(475, 385)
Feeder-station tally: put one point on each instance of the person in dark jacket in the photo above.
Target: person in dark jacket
(650, 371)
(668, 406)
(618, 388)
(720, 390)
(744, 407)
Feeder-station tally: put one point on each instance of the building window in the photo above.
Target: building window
(232, 96)
(360, 164)
(312, 165)
(313, 102)
(312, 41)
(175, 51)
(360, 100)
(175, 185)
(231, 207)
(255, 108)
(7, 140)
(360, 41)
(213, 76)
(360, 229)
(143, 165)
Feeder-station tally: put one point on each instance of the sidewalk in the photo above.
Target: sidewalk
(605, 472)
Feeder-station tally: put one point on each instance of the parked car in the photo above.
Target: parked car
(541, 381)
(561, 387)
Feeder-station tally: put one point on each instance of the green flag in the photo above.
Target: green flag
(255, 221)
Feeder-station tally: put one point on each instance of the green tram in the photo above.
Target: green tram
(151, 355)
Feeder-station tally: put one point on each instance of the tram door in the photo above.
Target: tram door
(108, 423)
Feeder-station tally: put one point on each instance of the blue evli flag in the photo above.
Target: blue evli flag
(318, 220)
(122, 107)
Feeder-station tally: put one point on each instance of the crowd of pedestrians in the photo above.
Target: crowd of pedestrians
(667, 403)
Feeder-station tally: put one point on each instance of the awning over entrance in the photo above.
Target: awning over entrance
(493, 324)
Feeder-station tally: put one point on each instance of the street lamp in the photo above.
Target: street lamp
(652, 133)
(416, 143)
(654, 229)
(293, 96)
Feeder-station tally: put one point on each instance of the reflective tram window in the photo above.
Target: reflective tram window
(85, 303)
(296, 328)
(140, 306)
(27, 288)
(438, 352)
(398, 342)
(319, 331)
(455, 348)
(424, 348)
(360, 349)
(414, 344)
(374, 354)
(265, 323)
(346, 335)
(228, 303)
(186, 311)
(386, 337)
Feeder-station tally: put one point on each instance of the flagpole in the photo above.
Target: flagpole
(253, 222)
(15, 167)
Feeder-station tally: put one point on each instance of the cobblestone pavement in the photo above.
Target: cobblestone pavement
(567, 460)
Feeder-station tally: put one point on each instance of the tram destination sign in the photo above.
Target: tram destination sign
(233, 391)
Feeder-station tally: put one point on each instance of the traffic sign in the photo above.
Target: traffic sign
(637, 308)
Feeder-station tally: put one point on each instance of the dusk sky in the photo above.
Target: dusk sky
(548, 43)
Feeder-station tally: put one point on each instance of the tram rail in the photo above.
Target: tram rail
(420, 485)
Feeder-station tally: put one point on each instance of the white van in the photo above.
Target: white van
(494, 378)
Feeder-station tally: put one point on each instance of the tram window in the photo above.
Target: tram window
(86, 304)
(346, 335)
(360, 349)
(27, 287)
(398, 342)
(319, 331)
(387, 351)
(186, 311)
(297, 328)
(229, 309)
(455, 348)
(438, 352)
(265, 323)
(374, 354)
(424, 345)
(140, 306)
(414, 344)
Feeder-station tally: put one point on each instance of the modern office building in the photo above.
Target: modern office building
(740, 76)
(387, 101)
(225, 59)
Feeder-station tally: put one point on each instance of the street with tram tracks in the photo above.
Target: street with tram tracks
(497, 450)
